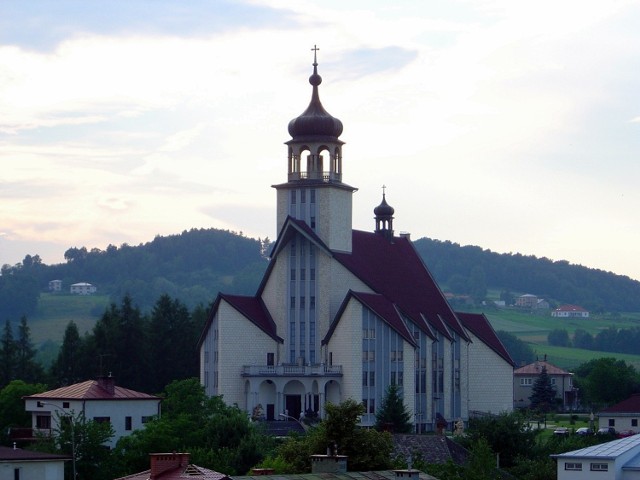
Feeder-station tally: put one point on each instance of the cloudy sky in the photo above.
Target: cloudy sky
(514, 126)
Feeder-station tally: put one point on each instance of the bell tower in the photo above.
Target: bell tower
(314, 192)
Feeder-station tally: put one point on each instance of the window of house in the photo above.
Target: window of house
(634, 422)
(65, 404)
(372, 355)
(573, 466)
(612, 422)
(393, 378)
(206, 378)
(127, 423)
(599, 467)
(206, 357)
(553, 381)
(43, 422)
(270, 359)
(372, 379)
(312, 195)
(16, 474)
(372, 405)
(526, 382)
(102, 419)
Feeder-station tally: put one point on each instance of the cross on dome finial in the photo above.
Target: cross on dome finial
(315, 58)
(384, 187)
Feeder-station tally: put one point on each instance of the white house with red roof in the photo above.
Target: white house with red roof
(570, 311)
(99, 400)
(343, 313)
(623, 416)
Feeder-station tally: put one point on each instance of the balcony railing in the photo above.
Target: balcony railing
(292, 370)
(324, 176)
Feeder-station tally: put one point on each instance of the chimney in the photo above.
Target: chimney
(163, 462)
(328, 464)
(107, 384)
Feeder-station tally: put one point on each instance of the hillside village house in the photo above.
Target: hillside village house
(570, 311)
(100, 400)
(83, 288)
(525, 377)
(343, 313)
(55, 285)
(622, 416)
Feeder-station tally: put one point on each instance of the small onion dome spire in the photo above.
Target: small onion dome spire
(384, 217)
(315, 121)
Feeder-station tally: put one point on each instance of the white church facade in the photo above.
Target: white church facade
(342, 313)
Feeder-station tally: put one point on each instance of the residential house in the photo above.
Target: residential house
(19, 464)
(622, 416)
(174, 466)
(83, 288)
(527, 301)
(570, 311)
(343, 313)
(99, 400)
(615, 460)
(55, 285)
(525, 377)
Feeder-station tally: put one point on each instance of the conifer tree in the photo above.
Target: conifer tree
(392, 415)
(543, 393)
(27, 368)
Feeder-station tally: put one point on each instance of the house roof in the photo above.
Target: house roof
(395, 270)
(479, 325)
(8, 454)
(605, 451)
(570, 308)
(629, 405)
(536, 367)
(438, 449)
(190, 471)
(91, 390)
(377, 475)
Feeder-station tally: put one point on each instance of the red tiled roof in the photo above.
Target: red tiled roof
(629, 405)
(8, 454)
(191, 471)
(91, 390)
(479, 325)
(536, 367)
(396, 271)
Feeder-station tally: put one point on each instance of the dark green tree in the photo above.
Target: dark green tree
(12, 412)
(68, 367)
(392, 416)
(172, 341)
(559, 338)
(543, 393)
(520, 351)
(27, 368)
(478, 284)
(8, 355)
(605, 381)
(508, 434)
(582, 339)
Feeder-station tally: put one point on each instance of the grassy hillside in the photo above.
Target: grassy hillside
(533, 328)
(54, 312)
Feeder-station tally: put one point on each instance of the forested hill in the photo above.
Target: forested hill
(557, 281)
(195, 265)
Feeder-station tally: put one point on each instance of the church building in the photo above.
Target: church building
(342, 313)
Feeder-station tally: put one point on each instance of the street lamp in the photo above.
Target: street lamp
(73, 434)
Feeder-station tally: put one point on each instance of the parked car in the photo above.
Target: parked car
(583, 431)
(606, 431)
(625, 433)
(561, 431)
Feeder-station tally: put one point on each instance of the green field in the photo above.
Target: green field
(533, 328)
(54, 312)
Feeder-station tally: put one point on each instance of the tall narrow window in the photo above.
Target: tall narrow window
(127, 423)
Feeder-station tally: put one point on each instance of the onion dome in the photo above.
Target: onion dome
(384, 209)
(315, 121)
